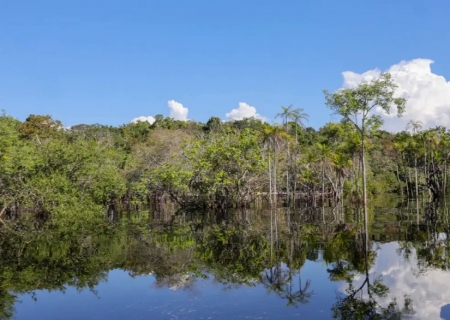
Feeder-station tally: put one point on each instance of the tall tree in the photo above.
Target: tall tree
(298, 116)
(273, 136)
(415, 126)
(357, 104)
(285, 115)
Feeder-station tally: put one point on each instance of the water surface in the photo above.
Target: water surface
(244, 264)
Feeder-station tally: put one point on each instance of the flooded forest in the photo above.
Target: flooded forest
(307, 219)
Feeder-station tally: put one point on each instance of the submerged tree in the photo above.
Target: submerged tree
(357, 106)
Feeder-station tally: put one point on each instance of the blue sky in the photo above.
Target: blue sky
(111, 61)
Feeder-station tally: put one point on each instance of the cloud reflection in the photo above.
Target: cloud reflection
(429, 291)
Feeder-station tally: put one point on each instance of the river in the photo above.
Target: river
(305, 263)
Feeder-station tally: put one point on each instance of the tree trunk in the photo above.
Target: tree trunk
(417, 186)
(323, 183)
(270, 183)
(287, 174)
(366, 213)
(410, 179)
(445, 179)
(399, 182)
(275, 178)
(295, 163)
(425, 164)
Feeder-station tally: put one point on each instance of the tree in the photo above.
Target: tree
(213, 124)
(415, 126)
(273, 136)
(298, 115)
(40, 127)
(357, 104)
(285, 115)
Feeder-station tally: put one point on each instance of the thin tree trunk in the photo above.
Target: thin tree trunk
(415, 171)
(323, 183)
(366, 213)
(417, 212)
(287, 174)
(445, 178)
(270, 184)
(275, 178)
(276, 195)
(425, 165)
(406, 177)
(410, 179)
(295, 164)
(399, 182)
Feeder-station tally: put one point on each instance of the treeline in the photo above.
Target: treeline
(50, 169)
(55, 170)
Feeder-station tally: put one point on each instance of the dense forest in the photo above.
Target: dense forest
(51, 170)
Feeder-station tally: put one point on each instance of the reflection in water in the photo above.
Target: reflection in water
(284, 253)
(366, 295)
(427, 291)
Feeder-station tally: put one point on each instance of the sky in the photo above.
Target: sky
(110, 62)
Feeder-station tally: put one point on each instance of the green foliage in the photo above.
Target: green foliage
(57, 173)
(356, 104)
(45, 166)
(213, 167)
(41, 128)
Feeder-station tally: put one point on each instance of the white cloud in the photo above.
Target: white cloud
(149, 119)
(177, 111)
(427, 94)
(244, 111)
(429, 292)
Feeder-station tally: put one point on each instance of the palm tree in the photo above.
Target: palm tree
(303, 293)
(297, 115)
(414, 126)
(285, 115)
(341, 164)
(273, 136)
(275, 278)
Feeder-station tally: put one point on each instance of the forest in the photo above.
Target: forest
(53, 171)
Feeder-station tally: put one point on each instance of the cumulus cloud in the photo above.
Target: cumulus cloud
(427, 94)
(244, 111)
(177, 111)
(429, 292)
(149, 119)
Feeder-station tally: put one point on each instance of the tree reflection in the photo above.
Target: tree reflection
(301, 296)
(237, 251)
(364, 301)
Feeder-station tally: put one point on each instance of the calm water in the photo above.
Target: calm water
(247, 264)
